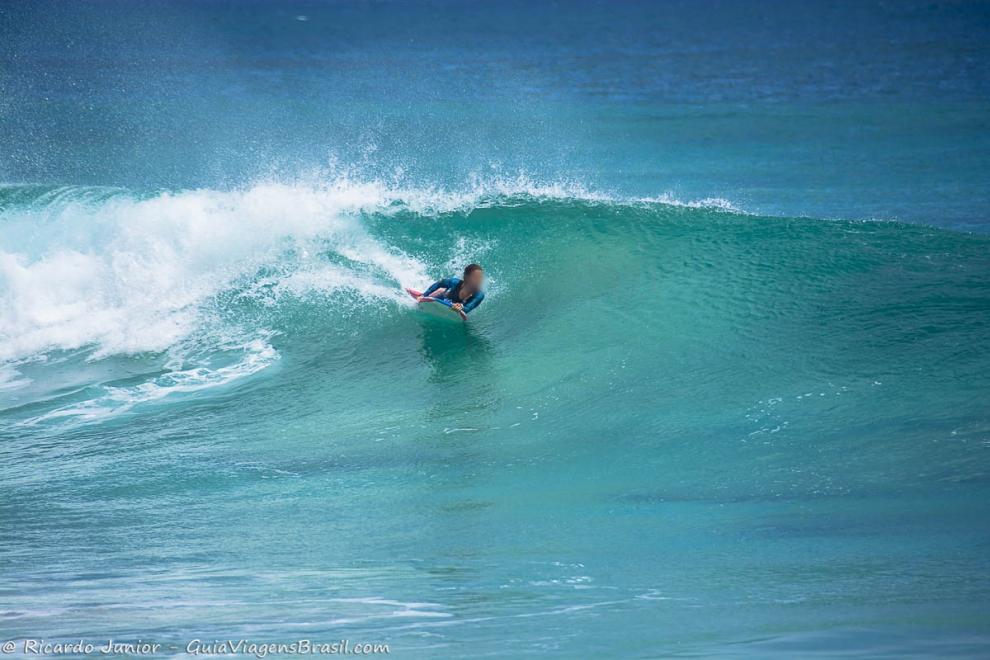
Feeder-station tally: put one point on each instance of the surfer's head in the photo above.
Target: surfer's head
(474, 276)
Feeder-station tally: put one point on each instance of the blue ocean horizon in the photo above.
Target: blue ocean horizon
(726, 395)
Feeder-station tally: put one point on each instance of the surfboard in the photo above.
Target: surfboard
(437, 307)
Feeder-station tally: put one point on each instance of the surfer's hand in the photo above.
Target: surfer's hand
(458, 306)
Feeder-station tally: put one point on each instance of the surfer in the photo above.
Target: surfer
(464, 294)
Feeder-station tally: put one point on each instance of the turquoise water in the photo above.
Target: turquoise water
(726, 395)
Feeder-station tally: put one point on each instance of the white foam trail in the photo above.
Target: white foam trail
(130, 275)
(113, 401)
(11, 379)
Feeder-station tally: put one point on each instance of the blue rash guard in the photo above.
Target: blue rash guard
(452, 286)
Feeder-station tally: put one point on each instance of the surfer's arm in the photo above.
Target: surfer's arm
(474, 302)
(445, 283)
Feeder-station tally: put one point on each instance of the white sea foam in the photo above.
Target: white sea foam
(11, 378)
(256, 355)
(119, 275)
(129, 275)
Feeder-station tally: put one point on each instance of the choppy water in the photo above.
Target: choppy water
(751, 424)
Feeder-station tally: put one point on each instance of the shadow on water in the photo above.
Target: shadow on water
(462, 364)
(456, 352)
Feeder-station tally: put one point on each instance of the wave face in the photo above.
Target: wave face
(708, 409)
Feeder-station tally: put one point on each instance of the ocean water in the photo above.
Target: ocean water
(727, 395)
